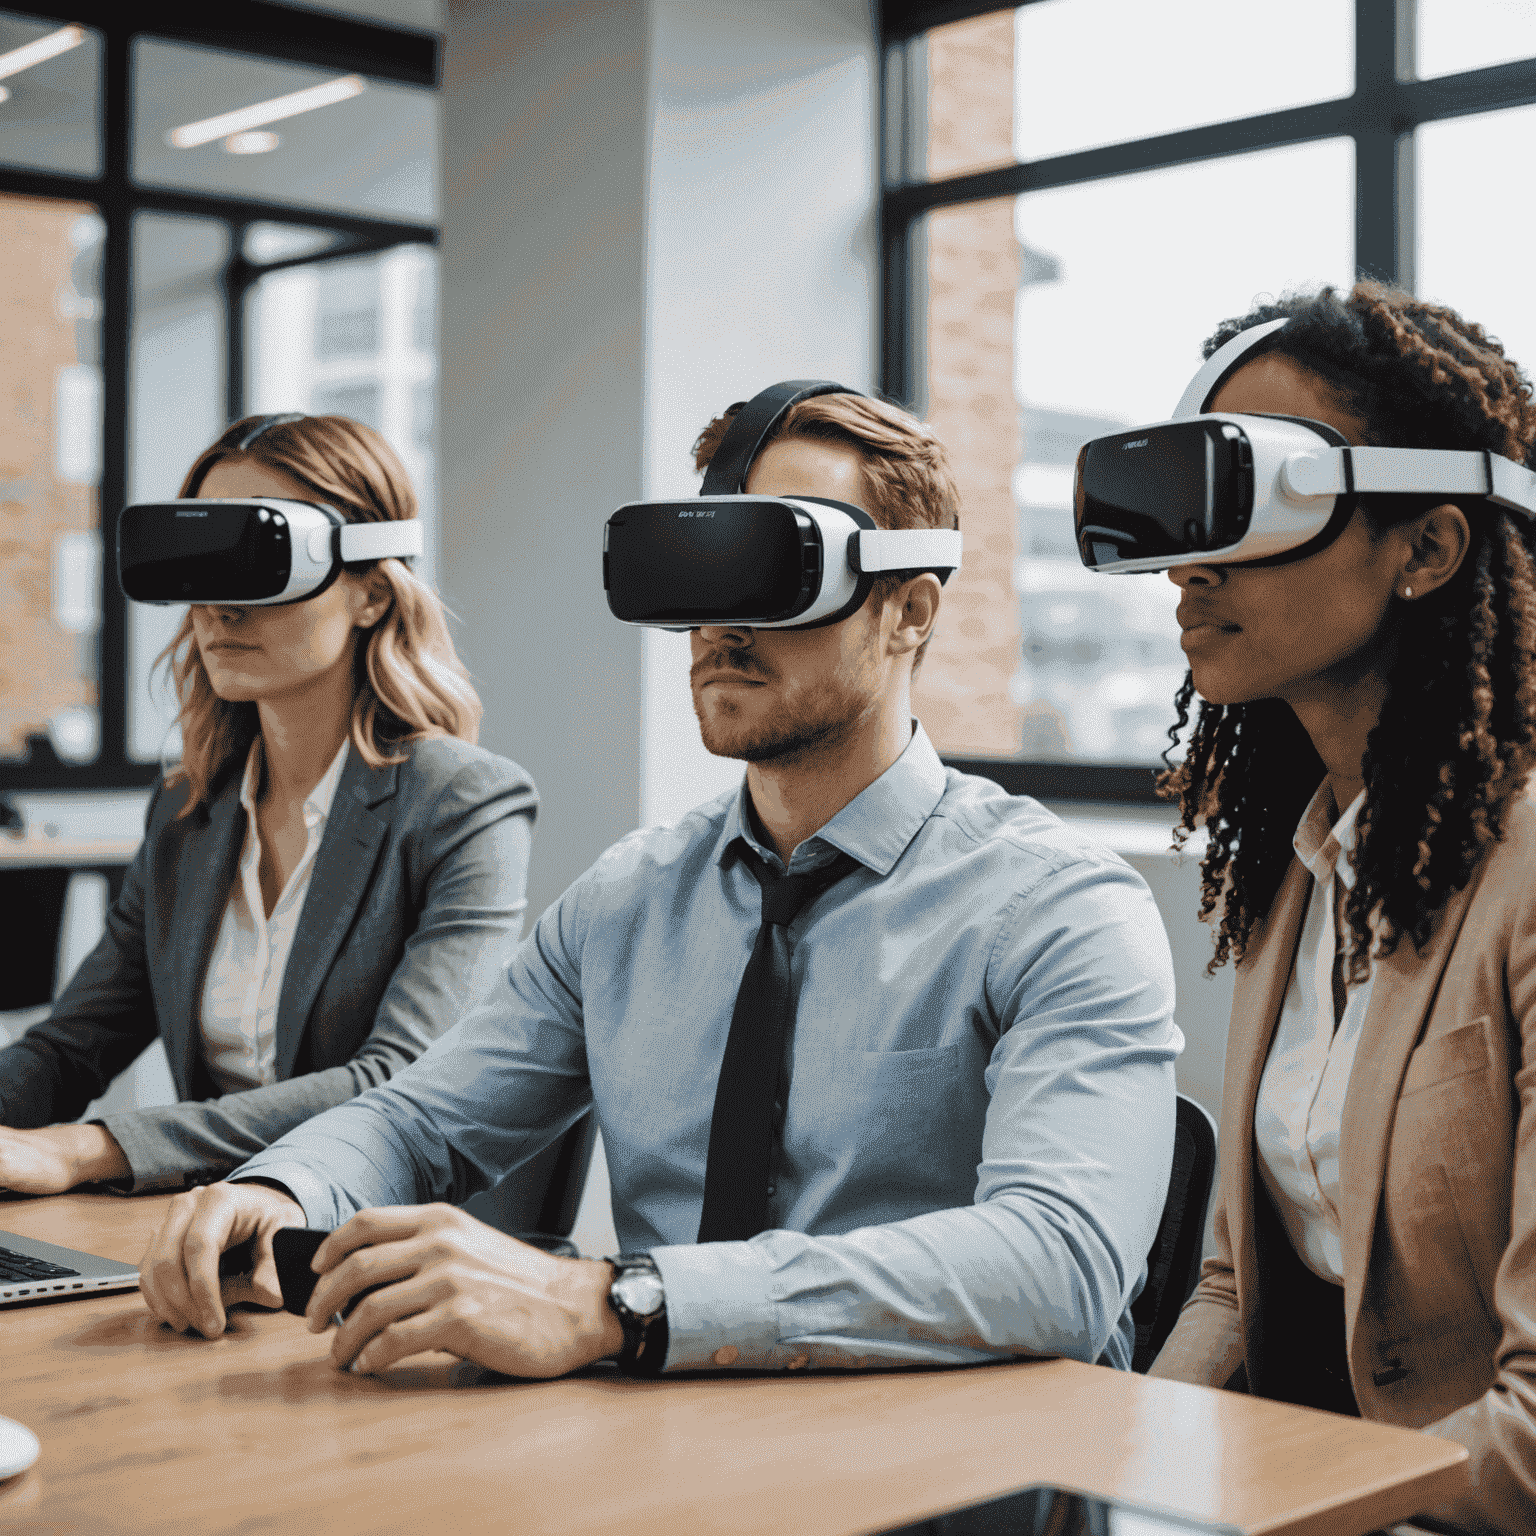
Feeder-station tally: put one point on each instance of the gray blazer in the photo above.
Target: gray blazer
(414, 906)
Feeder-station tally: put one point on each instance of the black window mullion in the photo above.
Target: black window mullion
(1378, 251)
(116, 329)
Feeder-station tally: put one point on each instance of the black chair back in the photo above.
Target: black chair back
(31, 918)
(1173, 1265)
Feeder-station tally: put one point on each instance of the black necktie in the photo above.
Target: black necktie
(741, 1132)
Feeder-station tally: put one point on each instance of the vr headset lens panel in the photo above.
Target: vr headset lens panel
(246, 551)
(172, 553)
(1151, 494)
(720, 560)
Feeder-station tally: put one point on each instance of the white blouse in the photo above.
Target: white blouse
(245, 971)
(1301, 1095)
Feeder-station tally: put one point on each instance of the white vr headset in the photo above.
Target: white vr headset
(762, 562)
(1220, 488)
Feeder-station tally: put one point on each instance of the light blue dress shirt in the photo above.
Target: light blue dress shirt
(979, 1130)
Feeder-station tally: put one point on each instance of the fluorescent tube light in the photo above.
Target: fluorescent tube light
(49, 47)
(190, 135)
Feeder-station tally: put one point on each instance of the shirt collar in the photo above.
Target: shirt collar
(876, 826)
(1326, 844)
(317, 803)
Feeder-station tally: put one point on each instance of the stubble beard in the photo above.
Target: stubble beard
(791, 734)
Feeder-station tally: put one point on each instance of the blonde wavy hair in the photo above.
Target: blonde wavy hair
(408, 681)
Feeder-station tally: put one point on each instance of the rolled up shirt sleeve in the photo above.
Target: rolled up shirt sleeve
(1077, 1151)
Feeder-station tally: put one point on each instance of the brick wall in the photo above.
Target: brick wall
(40, 665)
(961, 693)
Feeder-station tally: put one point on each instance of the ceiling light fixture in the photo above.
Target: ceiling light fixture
(49, 47)
(230, 124)
(255, 141)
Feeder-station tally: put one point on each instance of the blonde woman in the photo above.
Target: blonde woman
(327, 881)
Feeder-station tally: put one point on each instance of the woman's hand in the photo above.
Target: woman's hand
(179, 1273)
(452, 1283)
(57, 1157)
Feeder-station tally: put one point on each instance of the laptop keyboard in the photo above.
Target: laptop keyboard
(19, 1266)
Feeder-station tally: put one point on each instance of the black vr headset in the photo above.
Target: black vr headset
(1217, 489)
(767, 562)
(248, 550)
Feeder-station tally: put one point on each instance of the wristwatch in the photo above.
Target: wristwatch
(637, 1295)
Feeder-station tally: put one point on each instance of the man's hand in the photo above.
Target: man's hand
(179, 1273)
(452, 1283)
(57, 1157)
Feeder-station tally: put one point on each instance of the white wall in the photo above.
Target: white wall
(761, 265)
(543, 387)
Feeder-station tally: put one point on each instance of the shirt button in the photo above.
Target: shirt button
(799, 1362)
(727, 1354)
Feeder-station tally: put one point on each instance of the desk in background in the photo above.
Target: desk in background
(144, 1430)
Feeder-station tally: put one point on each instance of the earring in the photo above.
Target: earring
(1407, 591)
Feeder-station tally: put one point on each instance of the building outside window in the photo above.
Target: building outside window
(1076, 193)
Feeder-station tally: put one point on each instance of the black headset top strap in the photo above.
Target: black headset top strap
(751, 428)
(265, 424)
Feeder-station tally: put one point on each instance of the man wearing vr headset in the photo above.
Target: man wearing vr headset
(883, 1057)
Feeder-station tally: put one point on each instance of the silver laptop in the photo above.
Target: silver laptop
(35, 1271)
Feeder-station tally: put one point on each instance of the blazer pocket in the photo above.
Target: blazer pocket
(1444, 1057)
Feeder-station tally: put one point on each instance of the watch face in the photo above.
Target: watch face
(640, 1291)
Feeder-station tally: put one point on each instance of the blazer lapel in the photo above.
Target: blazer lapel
(1257, 998)
(1403, 991)
(344, 864)
(204, 875)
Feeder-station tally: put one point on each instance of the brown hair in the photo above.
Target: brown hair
(408, 681)
(907, 479)
(1457, 736)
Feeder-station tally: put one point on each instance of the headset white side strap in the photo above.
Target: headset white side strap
(906, 549)
(1412, 471)
(382, 541)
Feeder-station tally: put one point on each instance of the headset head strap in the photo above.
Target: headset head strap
(751, 428)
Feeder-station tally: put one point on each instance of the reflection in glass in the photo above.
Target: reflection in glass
(354, 337)
(50, 88)
(1092, 72)
(250, 127)
(1041, 334)
(177, 400)
(1474, 226)
(1453, 35)
(50, 465)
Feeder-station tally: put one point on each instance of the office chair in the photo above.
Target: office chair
(538, 1202)
(32, 919)
(1173, 1265)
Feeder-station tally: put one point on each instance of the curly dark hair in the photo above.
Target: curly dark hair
(1457, 735)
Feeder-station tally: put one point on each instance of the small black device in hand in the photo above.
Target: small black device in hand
(292, 1250)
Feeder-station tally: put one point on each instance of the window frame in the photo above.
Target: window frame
(253, 27)
(1382, 115)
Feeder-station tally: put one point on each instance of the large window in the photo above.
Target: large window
(201, 221)
(1075, 193)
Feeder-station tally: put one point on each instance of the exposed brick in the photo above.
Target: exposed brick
(39, 665)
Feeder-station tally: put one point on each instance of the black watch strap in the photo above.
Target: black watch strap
(645, 1333)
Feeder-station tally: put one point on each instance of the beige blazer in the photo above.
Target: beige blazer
(1437, 1183)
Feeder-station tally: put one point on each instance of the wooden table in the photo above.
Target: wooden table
(145, 1430)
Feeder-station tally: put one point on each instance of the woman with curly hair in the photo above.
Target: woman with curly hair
(329, 878)
(1366, 729)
